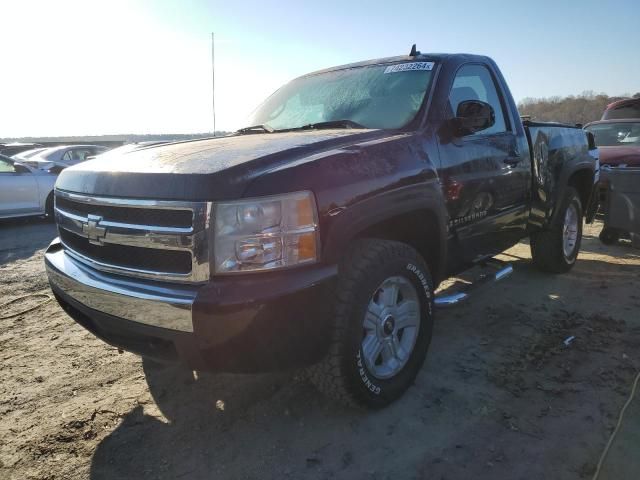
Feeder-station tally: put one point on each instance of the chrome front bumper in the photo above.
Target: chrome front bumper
(140, 301)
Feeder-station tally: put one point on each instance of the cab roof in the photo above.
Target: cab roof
(421, 57)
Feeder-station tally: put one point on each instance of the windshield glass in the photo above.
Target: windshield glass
(377, 96)
(616, 134)
(28, 153)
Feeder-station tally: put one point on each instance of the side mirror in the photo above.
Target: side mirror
(473, 116)
(20, 168)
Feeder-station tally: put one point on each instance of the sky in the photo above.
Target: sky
(92, 67)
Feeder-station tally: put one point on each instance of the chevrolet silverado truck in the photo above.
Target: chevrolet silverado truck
(314, 238)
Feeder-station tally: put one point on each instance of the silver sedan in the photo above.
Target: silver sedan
(24, 191)
(58, 158)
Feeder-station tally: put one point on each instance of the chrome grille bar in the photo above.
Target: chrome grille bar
(169, 238)
(97, 229)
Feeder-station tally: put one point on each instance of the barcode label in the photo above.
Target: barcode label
(407, 67)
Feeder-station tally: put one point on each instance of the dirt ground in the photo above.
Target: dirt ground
(500, 395)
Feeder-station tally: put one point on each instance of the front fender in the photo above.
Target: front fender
(347, 223)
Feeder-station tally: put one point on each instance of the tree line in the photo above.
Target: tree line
(583, 108)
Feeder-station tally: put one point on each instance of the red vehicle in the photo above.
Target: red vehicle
(618, 141)
(628, 108)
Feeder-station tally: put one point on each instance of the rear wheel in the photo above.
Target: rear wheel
(556, 249)
(382, 325)
(609, 236)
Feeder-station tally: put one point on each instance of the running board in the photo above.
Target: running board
(504, 270)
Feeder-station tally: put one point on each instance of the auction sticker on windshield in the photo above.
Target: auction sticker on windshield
(407, 67)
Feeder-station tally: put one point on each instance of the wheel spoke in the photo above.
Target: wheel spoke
(400, 352)
(406, 314)
(371, 349)
(570, 230)
(393, 346)
(390, 295)
(388, 353)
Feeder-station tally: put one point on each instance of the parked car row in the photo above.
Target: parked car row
(55, 159)
(27, 178)
(29, 171)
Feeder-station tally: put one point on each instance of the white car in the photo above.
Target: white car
(55, 159)
(24, 191)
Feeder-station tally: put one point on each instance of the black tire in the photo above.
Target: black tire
(48, 208)
(609, 236)
(343, 374)
(547, 245)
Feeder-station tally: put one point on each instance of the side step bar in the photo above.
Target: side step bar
(504, 270)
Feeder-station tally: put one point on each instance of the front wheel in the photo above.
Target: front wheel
(49, 208)
(381, 327)
(556, 249)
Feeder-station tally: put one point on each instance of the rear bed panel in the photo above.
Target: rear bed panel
(557, 151)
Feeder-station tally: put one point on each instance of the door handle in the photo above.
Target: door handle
(512, 160)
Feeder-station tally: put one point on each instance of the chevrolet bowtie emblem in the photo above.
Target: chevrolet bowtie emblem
(92, 229)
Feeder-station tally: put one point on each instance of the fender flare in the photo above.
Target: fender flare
(563, 183)
(365, 213)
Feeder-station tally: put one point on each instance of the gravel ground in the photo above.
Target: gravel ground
(500, 395)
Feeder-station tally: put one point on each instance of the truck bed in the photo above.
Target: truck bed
(552, 145)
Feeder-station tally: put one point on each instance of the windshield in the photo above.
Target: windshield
(27, 153)
(46, 152)
(616, 134)
(377, 96)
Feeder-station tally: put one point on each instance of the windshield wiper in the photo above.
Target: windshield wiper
(256, 128)
(329, 124)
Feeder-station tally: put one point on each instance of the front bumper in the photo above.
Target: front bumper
(142, 302)
(257, 322)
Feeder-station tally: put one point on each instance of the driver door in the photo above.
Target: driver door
(486, 177)
(18, 190)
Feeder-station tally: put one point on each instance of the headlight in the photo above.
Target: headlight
(266, 233)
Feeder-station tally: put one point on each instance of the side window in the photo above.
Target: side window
(81, 154)
(474, 82)
(6, 167)
(76, 155)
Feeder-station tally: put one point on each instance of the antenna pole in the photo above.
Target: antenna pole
(213, 81)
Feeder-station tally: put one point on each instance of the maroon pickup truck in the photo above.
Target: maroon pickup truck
(316, 235)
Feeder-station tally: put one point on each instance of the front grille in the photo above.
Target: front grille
(144, 238)
(123, 256)
(133, 215)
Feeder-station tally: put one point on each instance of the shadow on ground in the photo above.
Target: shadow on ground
(213, 427)
(20, 238)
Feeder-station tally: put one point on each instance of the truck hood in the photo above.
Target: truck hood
(209, 169)
(627, 155)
